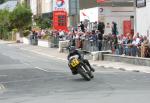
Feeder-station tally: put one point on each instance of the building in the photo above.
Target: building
(120, 11)
(141, 8)
(138, 24)
(10, 5)
(142, 17)
(84, 4)
(40, 7)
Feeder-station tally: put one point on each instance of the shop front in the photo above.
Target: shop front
(122, 16)
(60, 15)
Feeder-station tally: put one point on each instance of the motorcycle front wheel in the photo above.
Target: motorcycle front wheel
(83, 73)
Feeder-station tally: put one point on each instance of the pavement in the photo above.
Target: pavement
(54, 53)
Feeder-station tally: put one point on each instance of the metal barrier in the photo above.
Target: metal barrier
(91, 46)
(54, 41)
(128, 50)
(86, 44)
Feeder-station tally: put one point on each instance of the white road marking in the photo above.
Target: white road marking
(3, 75)
(2, 87)
(44, 54)
(56, 71)
(42, 69)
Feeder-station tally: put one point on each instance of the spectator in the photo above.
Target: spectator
(35, 38)
(61, 34)
(115, 44)
(114, 28)
(108, 29)
(130, 45)
(127, 42)
(134, 48)
(101, 27)
(120, 44)
(99, 38)
(145, 47)
(82, 27)
(95, 26)
(31, 37)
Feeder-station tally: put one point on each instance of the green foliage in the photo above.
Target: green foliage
(26, 33)
(15, 30)
(43, 23)
(2, 1)
(45, 37)
(21, 17)
(4, 23)
(4, 18)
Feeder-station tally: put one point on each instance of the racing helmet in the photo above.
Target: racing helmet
(72, 49)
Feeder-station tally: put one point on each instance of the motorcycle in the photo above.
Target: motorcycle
(81, 68)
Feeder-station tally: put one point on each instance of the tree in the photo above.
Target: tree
(4, 18)
(43, 22)
(2, 1)
(4, 23)
(21, 17)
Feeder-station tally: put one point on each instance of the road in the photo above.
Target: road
(27, 77)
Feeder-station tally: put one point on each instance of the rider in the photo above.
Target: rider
(72, 52)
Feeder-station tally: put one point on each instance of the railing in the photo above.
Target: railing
(104, 45)
(54, 41)
(90, 45)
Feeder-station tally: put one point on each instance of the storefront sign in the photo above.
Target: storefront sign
(140, 3)
(60, 14)
(60, 5)
(100, 1)
(60, 20)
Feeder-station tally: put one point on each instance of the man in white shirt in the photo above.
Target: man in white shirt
(135, 43)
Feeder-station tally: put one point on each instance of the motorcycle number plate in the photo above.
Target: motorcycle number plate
(74, 62)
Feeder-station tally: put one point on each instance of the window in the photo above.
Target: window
(140, 3)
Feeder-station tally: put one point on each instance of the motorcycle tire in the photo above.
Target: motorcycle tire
(91, 75)
(89, 72)
(85, 75)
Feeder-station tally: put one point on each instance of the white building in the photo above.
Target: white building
(108, 15)
(10, 5)
(39, 7)
(143, 19)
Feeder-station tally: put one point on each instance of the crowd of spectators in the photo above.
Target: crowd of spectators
(97, 40)
(129, 45)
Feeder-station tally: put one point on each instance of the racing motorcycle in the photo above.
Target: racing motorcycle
(80, 68)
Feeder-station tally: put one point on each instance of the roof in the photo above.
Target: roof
(10, 5)
(84, 4)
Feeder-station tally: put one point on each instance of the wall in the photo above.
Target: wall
(33, 5)
(107, 15)
(46, 6)
(143, 19)
(41, 6)
(84, 4)
(127, 59)
(90, 14)
(116, 14)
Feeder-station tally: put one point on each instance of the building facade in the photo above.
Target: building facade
(40, 7)
(142, 19)
(121, 12)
